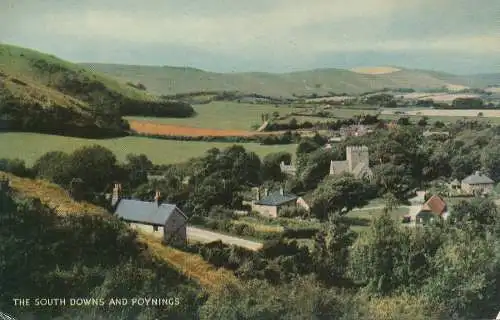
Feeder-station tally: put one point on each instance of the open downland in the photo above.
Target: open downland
(30, 146)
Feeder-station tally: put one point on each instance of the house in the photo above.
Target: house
(455, 185)
(158, 216)
(288, 168)
(271, 204)
(435, 207)
(477, 183)
(357, 162)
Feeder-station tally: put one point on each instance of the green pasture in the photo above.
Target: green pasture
(30, 146)
(224, 115)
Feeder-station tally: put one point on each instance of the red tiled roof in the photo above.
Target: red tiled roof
(435, 204)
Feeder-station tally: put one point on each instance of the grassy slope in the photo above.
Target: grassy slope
(30, 146)
(171, 80)
(37, 79)
(193, 266)
(15, 61)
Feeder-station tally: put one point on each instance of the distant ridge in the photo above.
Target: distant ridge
(167, 80)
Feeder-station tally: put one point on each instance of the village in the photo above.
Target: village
(421, 207)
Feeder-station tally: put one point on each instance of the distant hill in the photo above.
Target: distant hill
(173, 80)
(42, 93)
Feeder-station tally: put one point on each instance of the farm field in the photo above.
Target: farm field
(363, 218)
(444, 113)
(223, 115)
(152, 127)
(30, 146)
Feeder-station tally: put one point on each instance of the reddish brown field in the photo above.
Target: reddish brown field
(146, 127)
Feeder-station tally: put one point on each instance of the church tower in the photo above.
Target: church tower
(357, 155)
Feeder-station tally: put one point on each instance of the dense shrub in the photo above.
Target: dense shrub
(81, 256)
(16, 167)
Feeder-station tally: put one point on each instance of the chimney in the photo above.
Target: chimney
(116, 196)
(266, 192)
(158, 198)
(282, 192)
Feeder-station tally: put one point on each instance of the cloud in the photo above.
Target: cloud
(277, 26)
(282, 32)
(301, 26)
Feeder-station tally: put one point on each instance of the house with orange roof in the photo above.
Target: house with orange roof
(434, 208)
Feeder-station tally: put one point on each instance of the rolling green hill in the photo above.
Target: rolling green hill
(39, 92)
(173, 80)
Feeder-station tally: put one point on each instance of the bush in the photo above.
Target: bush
(300, 233)
(15, 166)
(294, 213)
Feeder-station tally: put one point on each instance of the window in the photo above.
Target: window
(155, 228)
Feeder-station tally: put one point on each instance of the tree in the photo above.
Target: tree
(214, 191)
(469, 287)
(478, 215)
(374, 255)
(490, 161)
(137, 168)
(77, 189)
(15, 166)
(463, 165)
(271, 169)
(307, 145)
(293, 124)
(95, 165)
(339, 195)
(302, 298)
(331, 250)
(468, 103)
(393, 179)
(54, 166)
(391, 202)
(315, 167)
(404, 121)
(424, 121)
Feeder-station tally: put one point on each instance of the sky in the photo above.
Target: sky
(457, 36)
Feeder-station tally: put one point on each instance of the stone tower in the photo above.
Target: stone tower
(357, 155)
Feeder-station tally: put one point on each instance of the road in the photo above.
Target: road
(375, 208)
(204, 236)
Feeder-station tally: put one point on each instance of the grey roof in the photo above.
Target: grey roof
(277, 199)
(145, 212)
(477, 178)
